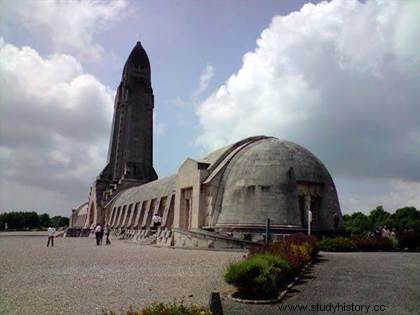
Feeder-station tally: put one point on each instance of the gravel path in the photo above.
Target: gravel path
(78, 277)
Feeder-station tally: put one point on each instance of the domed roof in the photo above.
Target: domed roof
(270, 160)
(260, 182)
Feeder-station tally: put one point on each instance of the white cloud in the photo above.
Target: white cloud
(69, 26)
(55, 123)
(205, 79)
(340, 78)
(334, 77)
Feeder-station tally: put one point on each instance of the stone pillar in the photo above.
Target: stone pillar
(307, 207)
(72, 218)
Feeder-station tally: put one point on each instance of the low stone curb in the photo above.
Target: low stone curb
(245, 301)
(281, 295)
(296, 279)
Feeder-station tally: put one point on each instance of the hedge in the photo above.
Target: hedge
(258, 276)
(269, 267)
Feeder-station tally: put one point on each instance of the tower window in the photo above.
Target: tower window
(265, 188)
(251, 188)
(126, 95)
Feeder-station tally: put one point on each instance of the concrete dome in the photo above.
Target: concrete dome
(270, 178)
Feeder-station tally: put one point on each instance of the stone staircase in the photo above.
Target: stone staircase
(160, 237)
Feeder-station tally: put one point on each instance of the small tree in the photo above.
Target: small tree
(59, 221)
(44, 220)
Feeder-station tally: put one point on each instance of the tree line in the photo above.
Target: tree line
(358, 223)
(24, 220)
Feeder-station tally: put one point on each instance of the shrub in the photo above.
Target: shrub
(394, 241)
(301, 238)
(258, 276)
(297, 249)
(339, 244)
(373, 243)
(167, 309)
(410, 240)
(302, 251)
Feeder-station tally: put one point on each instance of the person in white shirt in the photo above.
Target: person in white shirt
(157, 221)
(98, 232)
(51, 232)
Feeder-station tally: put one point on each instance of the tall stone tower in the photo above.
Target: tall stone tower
(130, 153)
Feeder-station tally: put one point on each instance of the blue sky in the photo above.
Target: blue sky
(339, 77)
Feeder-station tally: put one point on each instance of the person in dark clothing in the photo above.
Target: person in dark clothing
(101, 235)
(107, 231)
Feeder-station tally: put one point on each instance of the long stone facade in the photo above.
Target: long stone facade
(222, 200)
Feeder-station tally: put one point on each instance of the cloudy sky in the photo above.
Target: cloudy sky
(341, 78)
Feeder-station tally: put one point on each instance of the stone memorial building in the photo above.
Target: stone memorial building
(221, 200)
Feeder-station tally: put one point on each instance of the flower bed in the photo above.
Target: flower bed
(268, 268)
(258, 277)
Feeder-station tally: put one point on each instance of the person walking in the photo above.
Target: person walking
(98, 231)
(107, 231)
(101, 235)
(51, 232)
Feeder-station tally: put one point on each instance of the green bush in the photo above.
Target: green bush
(167, 309)
(297, 249)
(373, 243)
(395, 243)
(259, 276)
(339, 244)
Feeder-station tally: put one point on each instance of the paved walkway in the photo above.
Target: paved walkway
(388, 279)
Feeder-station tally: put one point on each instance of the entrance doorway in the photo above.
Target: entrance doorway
(314, 204)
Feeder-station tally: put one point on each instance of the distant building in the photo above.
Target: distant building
(221, 200)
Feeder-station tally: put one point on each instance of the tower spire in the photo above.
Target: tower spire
(130, 154)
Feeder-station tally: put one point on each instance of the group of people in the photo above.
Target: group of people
(382, 232)
(100, 231)
(99, 234)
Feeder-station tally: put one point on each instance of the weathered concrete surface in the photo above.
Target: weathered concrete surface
(390, 279)
(78, 277)
(262, 181)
